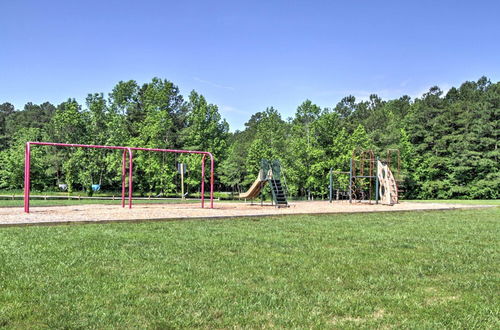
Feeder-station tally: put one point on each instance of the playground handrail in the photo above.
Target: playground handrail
(284, 181)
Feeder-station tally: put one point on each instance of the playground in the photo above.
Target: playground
(368, 186)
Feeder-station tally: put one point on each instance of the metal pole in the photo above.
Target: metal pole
(27, 165)
(25, 172)
(331, 184)
(211, 181)
(261, 194)
(372, 159)
(124, 166)
(376, 183)
(350, 181)
(130, 183)
(203, 181)
(182, 181)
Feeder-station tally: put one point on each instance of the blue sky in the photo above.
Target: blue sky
(246, 55)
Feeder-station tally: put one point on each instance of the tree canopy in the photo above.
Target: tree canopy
(448, 141)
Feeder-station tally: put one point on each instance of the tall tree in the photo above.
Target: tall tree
(205, 130)
(6, 110)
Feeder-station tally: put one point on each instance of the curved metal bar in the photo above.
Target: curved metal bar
(76, 145)
(203, 181)
(130, 173)
(27, 165)
(190, 152)
(178, 151)
(130, 183)
(211, 180)
(124, 166)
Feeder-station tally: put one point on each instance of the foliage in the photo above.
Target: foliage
(448, 142)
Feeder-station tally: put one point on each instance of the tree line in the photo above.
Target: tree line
(448, 141)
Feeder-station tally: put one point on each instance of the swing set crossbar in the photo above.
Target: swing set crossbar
(127, 151)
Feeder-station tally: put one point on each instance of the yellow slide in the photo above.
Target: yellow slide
(255, 188)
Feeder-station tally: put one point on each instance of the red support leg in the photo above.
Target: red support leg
(124, 170)
(203, 181)
(130, 183)
(27, 180)
(211, 181)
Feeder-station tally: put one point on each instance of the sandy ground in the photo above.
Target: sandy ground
(96, 213)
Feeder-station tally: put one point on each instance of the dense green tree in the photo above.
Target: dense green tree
(269, 142)
(233, 169)
(161, 104)
(6, 110)
(448, 143)
(205, 130)
(12, 162)
(305, 150)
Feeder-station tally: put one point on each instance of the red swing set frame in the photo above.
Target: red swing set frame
(127, 151)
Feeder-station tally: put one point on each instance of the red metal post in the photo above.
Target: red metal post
(27, 168)
(203, 181)
(25, 173)
(130, 184)
(211, 180)
(124, 165)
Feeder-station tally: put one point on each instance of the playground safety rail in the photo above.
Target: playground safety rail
(126, 151)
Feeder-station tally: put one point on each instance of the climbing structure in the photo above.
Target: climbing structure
(270, 173)
(369, 179)
(388, 189)
(362, 177)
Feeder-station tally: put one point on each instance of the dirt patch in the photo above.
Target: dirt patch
(374, 316)
(440, 300)
(96, 213)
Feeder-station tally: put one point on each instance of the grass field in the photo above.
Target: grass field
(459, 201)
(420, 270)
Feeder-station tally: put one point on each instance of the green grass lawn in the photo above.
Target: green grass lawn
(413, 270)
(459, 201)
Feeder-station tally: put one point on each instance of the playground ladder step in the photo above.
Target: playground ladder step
(278, 193)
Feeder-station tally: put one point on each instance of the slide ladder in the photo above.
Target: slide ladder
(270, 173)
(279, 196)
(274, 179)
